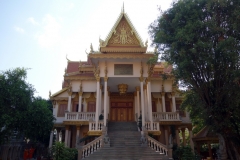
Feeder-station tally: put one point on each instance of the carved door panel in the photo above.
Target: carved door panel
(121, 111)
(130, 114)
(113, 114)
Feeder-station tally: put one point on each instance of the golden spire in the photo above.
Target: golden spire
(123, 8)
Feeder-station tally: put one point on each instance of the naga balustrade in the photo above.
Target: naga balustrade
(91, 147)
(166, 116)
(79, 116)
(157, 146)
(155, 126)
(94, 127)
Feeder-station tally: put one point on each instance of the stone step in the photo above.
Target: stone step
(125, 144)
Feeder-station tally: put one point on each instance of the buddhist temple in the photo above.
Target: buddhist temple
(116, 86)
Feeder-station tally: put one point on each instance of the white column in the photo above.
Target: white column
(51, 139)
(69, 101)
(150, 103)
(105, 101)
(142, 102)
(66, 135)
(145, 102)
(78, 133)
(183, 136)
(177, 137)
(69, 137)
(173, 102)
(100, 100)
(135, 106)
(97, 100)
(190, 138)
(138, 104)
(80, 102)
(57, 135)
(163, 102)
(108, 102)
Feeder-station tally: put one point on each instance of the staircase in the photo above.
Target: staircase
(125, 145)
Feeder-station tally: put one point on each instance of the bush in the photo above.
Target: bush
(185, 153)
(60, 152)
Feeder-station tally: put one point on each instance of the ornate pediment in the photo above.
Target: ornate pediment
(123, 35)
(122, 38)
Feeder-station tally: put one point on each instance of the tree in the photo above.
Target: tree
(40, 121)
(20, 111)
(201, 39)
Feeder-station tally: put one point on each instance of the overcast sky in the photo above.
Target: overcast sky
(38, 34)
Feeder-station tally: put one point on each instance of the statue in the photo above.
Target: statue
(101, 42)
(222, 148)
(170, 144)
(146, 43)
(91, 48)
(143, 139)
(123, 36)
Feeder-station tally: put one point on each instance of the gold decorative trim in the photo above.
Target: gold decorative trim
(80, 78)
(94, 133)
(170, 122)
(124, 50)
(155, 133)
(59, 98)
(137, 88)
(116, 56)
(113, 30)
(57, 93)
(76, 122)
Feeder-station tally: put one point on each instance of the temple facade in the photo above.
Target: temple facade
(117, 84)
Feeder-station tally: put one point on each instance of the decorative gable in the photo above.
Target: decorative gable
(123, 38)
(123, 35)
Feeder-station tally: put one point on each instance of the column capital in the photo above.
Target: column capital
(141, 79)
(183, 129)
(137, 88)
(144, 86)
(189, 128)
(162, 94)
(78, 127)
(148, 80)
(80, 93)
(105, 79)
(69, 91)
(67, 127)
(98, 78)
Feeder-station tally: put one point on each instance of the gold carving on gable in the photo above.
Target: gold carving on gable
(123, 35)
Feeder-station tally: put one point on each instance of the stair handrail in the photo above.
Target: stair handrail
(157, 146)
(91, 147)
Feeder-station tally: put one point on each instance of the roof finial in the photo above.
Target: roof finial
(123, 8)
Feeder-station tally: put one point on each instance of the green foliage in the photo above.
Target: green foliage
(40, 121)
(20, 111)
(185, 153)
(201, 40)
(60, 152)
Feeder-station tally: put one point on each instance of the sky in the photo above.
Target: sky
(39, 34)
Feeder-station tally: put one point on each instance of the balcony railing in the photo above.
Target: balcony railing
(166, 116)
(96, 127)
(155, 126)
(79, 116)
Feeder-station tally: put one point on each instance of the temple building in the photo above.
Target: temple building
(116, 84)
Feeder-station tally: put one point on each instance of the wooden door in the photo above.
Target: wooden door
(121, 111)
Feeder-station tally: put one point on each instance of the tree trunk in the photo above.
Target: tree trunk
(232, 149)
